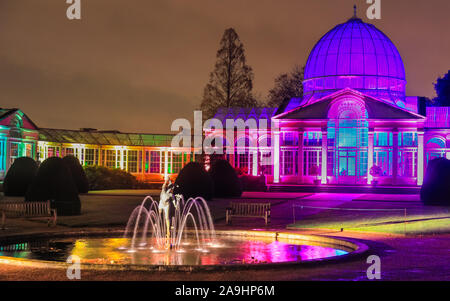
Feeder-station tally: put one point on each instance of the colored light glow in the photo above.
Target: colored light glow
(255, 164)
(420, 143)
(358, 56)
(276, 158)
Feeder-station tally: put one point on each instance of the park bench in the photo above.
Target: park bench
(237, 209)
(16, 209)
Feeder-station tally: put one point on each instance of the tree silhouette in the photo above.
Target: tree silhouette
(287, 86)
(231, 82)
(442, 87)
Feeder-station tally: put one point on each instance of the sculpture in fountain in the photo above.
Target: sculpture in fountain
(153, 222)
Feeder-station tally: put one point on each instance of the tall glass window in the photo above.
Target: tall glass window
(383, 152)
(177, 160)
(265, 159)
(312, 159)
(383, 159)
(241, 161)
(347, 155)
(407, 163)
(407, 155)
(110, 160)
(289, 162)
(132, 162)
(89, 157)
(155, 162)
(330, 163)
(312, 139)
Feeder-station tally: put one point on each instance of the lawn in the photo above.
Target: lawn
(431, 220)
(114, 210)
(102, 211)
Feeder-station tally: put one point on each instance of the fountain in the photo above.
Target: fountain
(178, 235)
(168, 232)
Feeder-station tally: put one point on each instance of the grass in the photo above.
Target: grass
(101, 211)
(435, 221)
(114, 210)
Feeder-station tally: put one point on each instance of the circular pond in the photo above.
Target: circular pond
(226, 250)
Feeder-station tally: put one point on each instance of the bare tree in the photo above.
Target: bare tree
(231, 82)
(287, 86)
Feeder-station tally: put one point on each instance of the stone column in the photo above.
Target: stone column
(370, 156)
(420, 157)
(166, 165)
(8, 154)
(324, 155)
(255, 162)
(395, 157)
(276, 157)
(300, 157)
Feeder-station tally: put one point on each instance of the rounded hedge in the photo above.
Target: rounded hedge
(54, 182)
(78, 173)
(253, 183)
(436, 184)
(20, 176)
(225, 178)
(193, 181)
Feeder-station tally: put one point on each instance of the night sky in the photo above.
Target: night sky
(137, 65)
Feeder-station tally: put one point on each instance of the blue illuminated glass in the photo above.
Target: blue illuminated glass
(383, 139)
(312, 139)
(409, 139)
(290, 139)
(436, 142)
(356, 55)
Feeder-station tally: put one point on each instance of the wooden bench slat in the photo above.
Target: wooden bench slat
(239, 209)
(26, 209)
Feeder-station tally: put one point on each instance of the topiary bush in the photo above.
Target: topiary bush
(103, 178)
(194, 181)
(20, 175)
(78, 173)
(226, 181)
(436, 184)
(53, 181)
(253, 183)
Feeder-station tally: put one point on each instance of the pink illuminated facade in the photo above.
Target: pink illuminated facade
(354, 124)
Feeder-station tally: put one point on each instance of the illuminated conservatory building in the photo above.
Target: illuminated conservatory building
(147, 156)
(354, 117)
(354, 114)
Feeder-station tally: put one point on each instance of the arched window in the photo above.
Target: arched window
(435, 148)
(265, 141)
(243, 142)
(347, 154)
(436, 143)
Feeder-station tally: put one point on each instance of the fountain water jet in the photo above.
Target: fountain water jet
(168, 231)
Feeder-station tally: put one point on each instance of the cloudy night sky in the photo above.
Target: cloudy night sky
(137, 65)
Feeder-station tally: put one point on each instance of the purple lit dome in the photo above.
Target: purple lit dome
(355, 55)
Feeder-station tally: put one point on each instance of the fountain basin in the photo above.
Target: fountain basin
(232, 250)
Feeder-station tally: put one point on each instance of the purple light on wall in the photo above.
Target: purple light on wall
(355, 55)
(438, 117)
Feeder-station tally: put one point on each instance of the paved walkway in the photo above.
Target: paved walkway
(402, 258)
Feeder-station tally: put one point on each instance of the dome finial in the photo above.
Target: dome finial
(354, 11)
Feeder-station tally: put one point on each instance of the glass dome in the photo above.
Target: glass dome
(355, 55)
